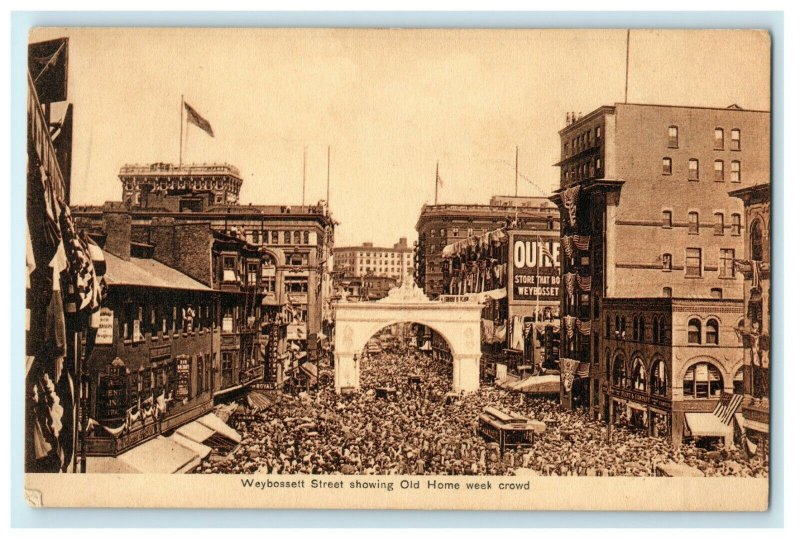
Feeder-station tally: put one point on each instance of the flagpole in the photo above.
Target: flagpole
(516, 174)
(180, 153)
(328, 184)
(436, 182)
(627, 61)
(303, 203)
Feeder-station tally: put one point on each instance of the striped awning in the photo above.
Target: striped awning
(706, 424)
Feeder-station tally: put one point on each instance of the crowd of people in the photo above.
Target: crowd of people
(415, 429)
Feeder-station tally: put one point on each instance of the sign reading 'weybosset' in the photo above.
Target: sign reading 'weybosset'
(535, 268)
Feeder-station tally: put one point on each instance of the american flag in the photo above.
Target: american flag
(583, 370)
(726, 407)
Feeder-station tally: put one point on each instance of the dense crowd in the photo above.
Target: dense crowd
(416, 430)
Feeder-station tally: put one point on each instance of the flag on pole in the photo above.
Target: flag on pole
(727, 405)
(192, 116)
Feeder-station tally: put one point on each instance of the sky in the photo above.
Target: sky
(389, 103)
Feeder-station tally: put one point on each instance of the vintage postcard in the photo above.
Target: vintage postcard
(408, 269)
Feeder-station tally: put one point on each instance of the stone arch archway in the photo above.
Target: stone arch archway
(458, 323)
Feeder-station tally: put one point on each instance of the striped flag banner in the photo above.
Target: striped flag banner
(581, 242)
(583, 370)
(726, 407)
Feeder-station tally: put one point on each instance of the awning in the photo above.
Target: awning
(161, 455)
(309, 369)
(544, 384)
(214, 423)
(706, 424)
(202, 450)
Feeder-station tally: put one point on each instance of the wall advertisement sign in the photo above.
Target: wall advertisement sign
(535, 268)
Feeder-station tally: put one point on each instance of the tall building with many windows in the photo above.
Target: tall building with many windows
(651, 236)
(444, 224)
(295, 242)
(367, 259)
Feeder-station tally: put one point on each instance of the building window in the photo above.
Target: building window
(719, 224)
(736, 139)
(442, 233)
(287, 238)
(719, 138)
(666, 262)
(666, 166)
(694, 169)
(702, 381)
(252, 273)
(608, 327)
(673, 137)
(719, 171)
(636, 328)
(756, 241)
(716, 293)
(666, 292)
(694, 261)
(736, 171)
(712, 332)
(297, 237)
(658, 378)
(666, 219)
(638, 375)
(694, 222)
(726, 263)
(619, 375)
(736, 224)
(305, 238)
(693, 331)
(229, 269)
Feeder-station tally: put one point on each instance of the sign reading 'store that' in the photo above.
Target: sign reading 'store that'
(535, 268)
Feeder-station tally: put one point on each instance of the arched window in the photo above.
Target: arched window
(638, 375)
(641, 329)
(694, 331)
(756, 241)
(620, 373)
(635, 328)
(622, 327)
(656, 330)
(702, 381)
(712, 332)
(608, 327)
(297, 237)
(738, 382)
(616, 326)
(719, 138)
(658, 378)
(673, 136)
(287, 237)
(666, 336)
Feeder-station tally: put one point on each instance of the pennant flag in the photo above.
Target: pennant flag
(566, 244)
(727, 405)
(569, 367)
(192, 116)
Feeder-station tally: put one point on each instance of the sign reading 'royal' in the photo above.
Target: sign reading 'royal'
(535, 268)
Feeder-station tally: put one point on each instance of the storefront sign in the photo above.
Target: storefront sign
(535, 268)
(105, 329)
(183, 367)
(635, 396)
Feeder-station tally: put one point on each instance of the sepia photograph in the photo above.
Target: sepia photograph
(398, 268)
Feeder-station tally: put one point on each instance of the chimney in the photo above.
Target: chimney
(117, 225)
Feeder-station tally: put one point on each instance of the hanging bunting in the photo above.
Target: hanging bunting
(569, 324)
(567, 246)
(569, 197)
(569, 282)
(584, 282)
(569, 367)
(584, 326)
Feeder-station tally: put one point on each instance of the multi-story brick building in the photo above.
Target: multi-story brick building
(295, 241)
(646, 215)
(443, 224)
(366, 259)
